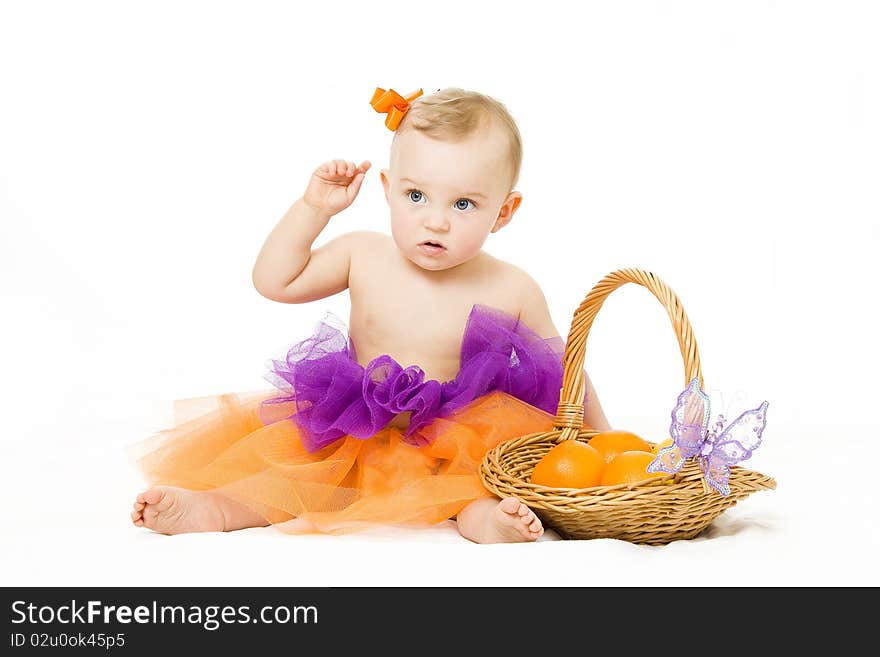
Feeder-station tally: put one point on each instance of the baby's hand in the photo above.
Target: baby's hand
(334, 185)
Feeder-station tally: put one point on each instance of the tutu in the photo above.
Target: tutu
(319, 455)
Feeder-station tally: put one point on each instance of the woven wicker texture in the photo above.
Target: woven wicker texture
(653, 512)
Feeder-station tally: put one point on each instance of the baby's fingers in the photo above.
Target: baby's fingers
(337, 168)
(352, 169)
(355, 186)
(329, 167)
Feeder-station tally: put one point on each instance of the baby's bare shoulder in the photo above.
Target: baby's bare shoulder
(530, 300)
(367, 242)
(511, 275)
(368, 237)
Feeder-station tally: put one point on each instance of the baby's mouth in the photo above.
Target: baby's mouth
(432, 244)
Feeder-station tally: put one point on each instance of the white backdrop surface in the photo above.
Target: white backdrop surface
(147, 150)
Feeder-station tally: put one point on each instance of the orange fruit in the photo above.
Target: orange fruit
(611, 443)
(570, 464)
(628, 468)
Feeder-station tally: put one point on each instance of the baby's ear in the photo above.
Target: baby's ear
(505, 214)
(383, 176)
(514, 199)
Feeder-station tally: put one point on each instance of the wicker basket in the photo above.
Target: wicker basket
(648, 512)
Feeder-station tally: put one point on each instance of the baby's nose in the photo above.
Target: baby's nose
(437, 221)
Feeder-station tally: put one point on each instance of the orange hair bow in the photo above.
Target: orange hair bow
(393, 104)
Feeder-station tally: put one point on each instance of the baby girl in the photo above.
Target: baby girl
(364, 435)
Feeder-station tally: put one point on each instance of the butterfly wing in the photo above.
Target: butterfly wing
(735, 444)
(668, 459)
(690, 418)
(742, 436)
(716, 472)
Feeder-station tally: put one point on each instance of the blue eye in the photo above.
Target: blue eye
(417, 197)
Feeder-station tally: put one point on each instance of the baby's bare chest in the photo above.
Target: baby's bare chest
(419, 334)
(414, 322)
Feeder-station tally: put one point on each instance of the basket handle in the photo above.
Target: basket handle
(570, 412)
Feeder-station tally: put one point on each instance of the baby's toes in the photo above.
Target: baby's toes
(159, 500)
(523, 517)
(536, 527)
(532, 523)
(152, 511)
(151, 496)
(512, 506)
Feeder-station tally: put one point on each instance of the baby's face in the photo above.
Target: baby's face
(451, 194)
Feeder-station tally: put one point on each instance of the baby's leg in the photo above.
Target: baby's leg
(490, 520)
(170, 510)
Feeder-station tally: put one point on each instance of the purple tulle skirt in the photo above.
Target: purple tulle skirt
(334, 396)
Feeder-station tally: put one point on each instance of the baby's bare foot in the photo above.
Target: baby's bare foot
(170, 510)
(513, 522)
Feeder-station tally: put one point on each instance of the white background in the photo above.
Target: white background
(146, 151)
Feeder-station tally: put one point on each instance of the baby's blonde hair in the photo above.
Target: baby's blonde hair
(453, 114)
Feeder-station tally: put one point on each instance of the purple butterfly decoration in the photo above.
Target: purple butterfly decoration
(716, 450)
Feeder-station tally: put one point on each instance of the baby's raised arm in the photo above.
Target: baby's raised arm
(287, 270)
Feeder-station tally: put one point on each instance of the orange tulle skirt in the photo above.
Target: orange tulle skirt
(219, 443)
